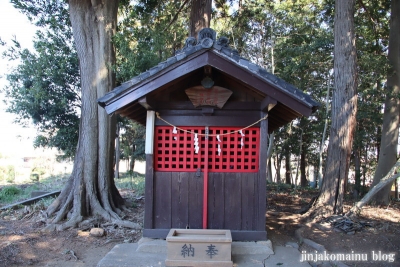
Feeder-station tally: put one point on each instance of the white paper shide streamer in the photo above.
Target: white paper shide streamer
(241, 140)
(196, 144)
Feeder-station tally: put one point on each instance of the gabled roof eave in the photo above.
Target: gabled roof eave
(219, 55)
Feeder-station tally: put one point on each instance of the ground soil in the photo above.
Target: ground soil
(23, 243)
(284, 224)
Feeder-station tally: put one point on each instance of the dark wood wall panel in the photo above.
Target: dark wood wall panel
(180, 199)
(236, 200)
(249, 202)
(149, 192)
(233, 201)
(195, 203)
(262, 180)
(162, 202)
(216, 201)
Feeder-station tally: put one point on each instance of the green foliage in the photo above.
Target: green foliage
(298, 37)
(147, 34)
(42, 204)
(34, 176)
(372, 23)
(8, 193)
(21, 192)
(293, 39)
(7, 173)
(133, 181)
(44, 88)
(133, 137)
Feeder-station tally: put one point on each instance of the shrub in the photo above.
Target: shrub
(133, 181)
(9, 192)
(34, 176)
(7, 173)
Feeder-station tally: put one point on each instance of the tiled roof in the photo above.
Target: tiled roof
(207, 41)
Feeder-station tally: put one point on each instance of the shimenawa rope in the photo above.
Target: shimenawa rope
(159, 117)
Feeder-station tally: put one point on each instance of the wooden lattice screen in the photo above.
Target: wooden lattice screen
(176, 151)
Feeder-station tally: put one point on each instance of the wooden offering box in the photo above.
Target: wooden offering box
(199, 247)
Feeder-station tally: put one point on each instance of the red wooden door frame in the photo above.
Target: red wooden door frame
(205, 183)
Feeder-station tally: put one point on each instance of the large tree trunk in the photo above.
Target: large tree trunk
(390, 127)
(344, 106)
(91, 189)
(303, 165)
(200, 16)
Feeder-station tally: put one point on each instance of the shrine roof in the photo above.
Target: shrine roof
(209, 51)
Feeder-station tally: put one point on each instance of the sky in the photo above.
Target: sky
(14, 139)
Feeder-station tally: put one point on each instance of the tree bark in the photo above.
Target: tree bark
(278, 169)
(132, 163)
(344, 107)
(390, 128)
(200, 16)
(269, 156)
(357, 170)
(303, 164)
(117, 153)
(321, 147)
(91, 190)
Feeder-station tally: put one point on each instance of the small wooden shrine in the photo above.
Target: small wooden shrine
(207, 113)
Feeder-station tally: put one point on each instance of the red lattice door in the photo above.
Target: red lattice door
(230, 151)
(215, 149)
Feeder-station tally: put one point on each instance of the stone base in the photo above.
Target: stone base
(178, 263)
(153, 252)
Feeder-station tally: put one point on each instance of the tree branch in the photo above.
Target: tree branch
(176, 14)
(366, 11)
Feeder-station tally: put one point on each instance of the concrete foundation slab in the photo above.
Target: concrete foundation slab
(153, 253)
(124, 255)
(154, 246)
(250, 248)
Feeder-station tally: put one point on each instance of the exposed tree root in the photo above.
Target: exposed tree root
(79, 207)
(71, 223)
(128, 224)
(315, 211)
(308, 207)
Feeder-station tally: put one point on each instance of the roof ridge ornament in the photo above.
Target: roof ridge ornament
(207, 38)
(223, 41)
(190, 42)
(207, 33)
